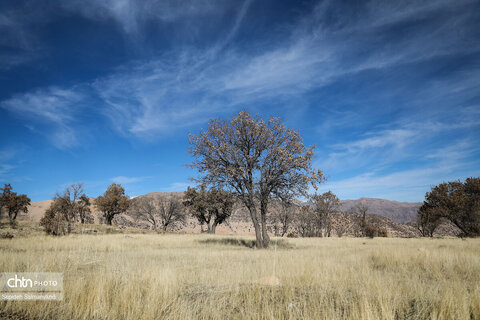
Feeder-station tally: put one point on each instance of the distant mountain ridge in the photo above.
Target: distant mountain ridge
(401, 212)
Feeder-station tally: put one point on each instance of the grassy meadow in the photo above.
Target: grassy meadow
(180, 276)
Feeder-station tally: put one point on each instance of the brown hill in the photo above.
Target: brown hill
(401, 212)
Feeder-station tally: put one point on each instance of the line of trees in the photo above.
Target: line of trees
(73, 206)
(253, 162)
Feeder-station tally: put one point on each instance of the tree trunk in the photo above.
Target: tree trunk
(209, 228)
(266, 238)
(214, 226)
(109, 218)
(256, 225)
(263, 214)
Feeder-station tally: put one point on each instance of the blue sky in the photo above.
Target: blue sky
(107, 91)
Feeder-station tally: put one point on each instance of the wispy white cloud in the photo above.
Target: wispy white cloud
(177, 187)
(54, 109)
(186, 85)
(11, 158)
(434, 165)
(409, 185)
(5, 169)
(133, 15)
(127, 180)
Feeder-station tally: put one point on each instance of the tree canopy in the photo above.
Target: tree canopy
(457, 201)
(113, 202)
(256, 160)
(12, 202)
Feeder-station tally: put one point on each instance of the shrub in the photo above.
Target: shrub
(370, 231)
(54, 222)
(7, 235)
(373, 231)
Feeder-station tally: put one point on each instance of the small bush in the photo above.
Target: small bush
(373, 231)
(7, 235)
(370, 231)
(382, 232)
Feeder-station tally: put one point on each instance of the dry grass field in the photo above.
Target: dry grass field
(170, 276)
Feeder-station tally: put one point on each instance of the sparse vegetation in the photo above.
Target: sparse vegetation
(212, 277)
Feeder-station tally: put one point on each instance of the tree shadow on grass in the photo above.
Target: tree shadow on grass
(244, 243)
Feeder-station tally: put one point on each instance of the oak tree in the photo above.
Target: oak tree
(13, 203)
(325, 205)
(457, 201)
(113, 202)
(54, 221)
(256, 160)
(210, 207)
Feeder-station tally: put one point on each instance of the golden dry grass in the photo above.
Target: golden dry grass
(155, 276)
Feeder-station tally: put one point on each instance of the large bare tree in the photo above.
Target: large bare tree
(256, 160)
(113, 202)
(161, 211)
(210, 207)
